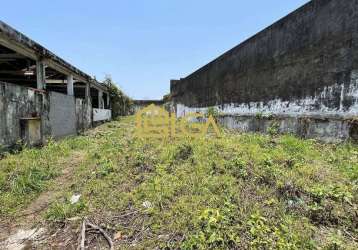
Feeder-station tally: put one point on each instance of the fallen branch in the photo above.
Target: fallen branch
(95, 227)
(83, 235)
(350, 235)
(127, 214)
(105, 235)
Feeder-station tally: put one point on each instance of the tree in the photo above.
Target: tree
(121, 104)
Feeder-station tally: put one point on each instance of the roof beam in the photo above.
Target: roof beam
(63, 70)
(21, 44)
(12, 56)
(12, 72)
(18, 48)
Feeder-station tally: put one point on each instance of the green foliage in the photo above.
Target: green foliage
(183, 152)
(274, 128)
(59, 211)
(218, 230)
(2, 181)
(339, 192)
(266, 236)
(239, 191)
(121, 104)
(335, 242)
(238, 167)
(212, 111)
(167, 97)
(259, 115)
(28, 173)
(30, 180)
(105, 167)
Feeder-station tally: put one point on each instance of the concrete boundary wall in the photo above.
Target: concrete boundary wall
(313, 48)
(303, 66)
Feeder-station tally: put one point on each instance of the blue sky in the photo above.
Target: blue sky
(142, 44)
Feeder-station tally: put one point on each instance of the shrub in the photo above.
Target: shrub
(274, 129)
(212, 111)
(218, 230)
(183, 152)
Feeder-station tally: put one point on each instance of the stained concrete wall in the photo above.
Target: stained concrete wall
(83, 114)
(15, 103)
(330, 130)
(314, 48)
(60, 114)
(306, 64)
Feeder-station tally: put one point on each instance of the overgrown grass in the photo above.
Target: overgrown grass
(238, 191)
(26, 174)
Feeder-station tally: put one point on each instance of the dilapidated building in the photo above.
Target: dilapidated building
(299, 75)
(41, 95)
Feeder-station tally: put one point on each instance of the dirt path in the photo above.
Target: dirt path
(29, 225)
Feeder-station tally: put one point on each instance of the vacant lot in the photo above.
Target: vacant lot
(237, 191)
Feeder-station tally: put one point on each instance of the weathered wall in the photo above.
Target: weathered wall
(102, 115)
(15, 103)
(306, 64)
(62, 114)
(83, 114)
(325, 129)
(297, 59)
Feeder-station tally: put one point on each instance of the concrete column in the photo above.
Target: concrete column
(100, 99)
(40, 74)
(108, 102)
(70, 90)
(87, 92)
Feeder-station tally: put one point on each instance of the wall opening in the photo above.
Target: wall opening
(94, 98)
(16, 68)
(353, 131)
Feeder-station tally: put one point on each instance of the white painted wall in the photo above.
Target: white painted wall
(311, 105)
(102, 115)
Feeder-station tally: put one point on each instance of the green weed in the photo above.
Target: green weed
(239, 191)
(59, 211)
